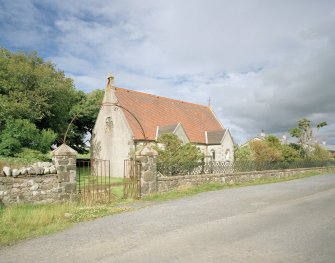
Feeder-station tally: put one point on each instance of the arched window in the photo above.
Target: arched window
(213, 155)
(227, 155)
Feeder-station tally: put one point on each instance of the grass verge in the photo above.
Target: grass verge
(29, 221)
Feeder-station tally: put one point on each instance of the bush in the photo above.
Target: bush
(176, 157)
(31, 156)
(319, 154)
(20, 133)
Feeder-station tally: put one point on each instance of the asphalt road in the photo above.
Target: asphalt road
(285, 222)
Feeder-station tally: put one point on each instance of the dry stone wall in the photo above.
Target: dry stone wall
(36, 185)
(33, 190)
(39, 168)
(169, 183)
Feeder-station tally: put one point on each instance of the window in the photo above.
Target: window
(227, 155)
(213, 155)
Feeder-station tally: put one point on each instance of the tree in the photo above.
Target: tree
(34, 90)
(18, 134)
(262, 151)
(175, 156)
(319, 154)
(243, 154)
(289, 153)
(304, 134)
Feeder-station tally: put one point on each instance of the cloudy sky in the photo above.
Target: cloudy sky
(264, 64)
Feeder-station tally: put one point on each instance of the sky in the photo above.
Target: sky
(264, 64)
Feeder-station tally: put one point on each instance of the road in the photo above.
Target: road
(284, 222)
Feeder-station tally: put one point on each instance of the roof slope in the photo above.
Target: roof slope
(215, 137)
(152, 111)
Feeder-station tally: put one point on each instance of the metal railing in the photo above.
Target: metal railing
(195, 168)
(94, 181)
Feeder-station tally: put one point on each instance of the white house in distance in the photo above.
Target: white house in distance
(129, 118)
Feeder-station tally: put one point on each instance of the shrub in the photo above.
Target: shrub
(31, 156)
(175, 156)
(20, 133)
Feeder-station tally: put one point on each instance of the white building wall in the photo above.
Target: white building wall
(223, 152)
(180, 132)
(112, 138)
(228, 145)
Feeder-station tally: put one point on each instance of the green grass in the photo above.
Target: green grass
(86, 181)
(84, 156)
(29, 221)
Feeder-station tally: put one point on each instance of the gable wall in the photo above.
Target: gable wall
(181, 134)
(112, 138)
(220, 149)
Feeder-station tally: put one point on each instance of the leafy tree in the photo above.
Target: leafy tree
(319, 154)
(83, 118)
(19, 133)
(304, 134)
(175, 156)
(289, 153)
(262, 151)
(243, 154)
(34, 90)
(273, 141)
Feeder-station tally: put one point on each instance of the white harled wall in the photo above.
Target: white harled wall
(112, 138)
(220, 149)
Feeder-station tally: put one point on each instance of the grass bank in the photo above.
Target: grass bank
(29, 221)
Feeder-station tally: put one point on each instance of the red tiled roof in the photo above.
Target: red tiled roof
(152, 111)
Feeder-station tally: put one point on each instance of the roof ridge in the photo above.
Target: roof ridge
(191, 103)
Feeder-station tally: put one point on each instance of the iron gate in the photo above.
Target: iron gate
(132, 179)
(94, 182)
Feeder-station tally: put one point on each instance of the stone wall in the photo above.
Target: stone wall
(39, 168)
(37, 188)
(33, 190)
(152, 182)
(169, 183)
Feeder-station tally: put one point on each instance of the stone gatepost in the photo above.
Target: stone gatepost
(64, 158)
(147, 157)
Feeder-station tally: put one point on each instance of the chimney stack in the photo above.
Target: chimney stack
(110, 82)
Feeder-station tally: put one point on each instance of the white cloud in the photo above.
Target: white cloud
(265, 64)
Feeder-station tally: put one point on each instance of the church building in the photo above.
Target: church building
(127, 119)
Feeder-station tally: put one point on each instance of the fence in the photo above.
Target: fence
(234, 167)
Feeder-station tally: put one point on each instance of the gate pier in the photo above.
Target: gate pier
(64, 158)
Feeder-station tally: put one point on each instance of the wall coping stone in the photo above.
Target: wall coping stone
(178, 177)
(64, 150)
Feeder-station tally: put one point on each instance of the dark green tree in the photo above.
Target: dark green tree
(19, 133)
(175, 157)
(34, 90)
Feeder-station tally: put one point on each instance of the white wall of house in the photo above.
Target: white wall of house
(112, 137)
(223, 152)
(227, 144)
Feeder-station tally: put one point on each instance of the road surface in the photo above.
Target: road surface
(284, 222)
